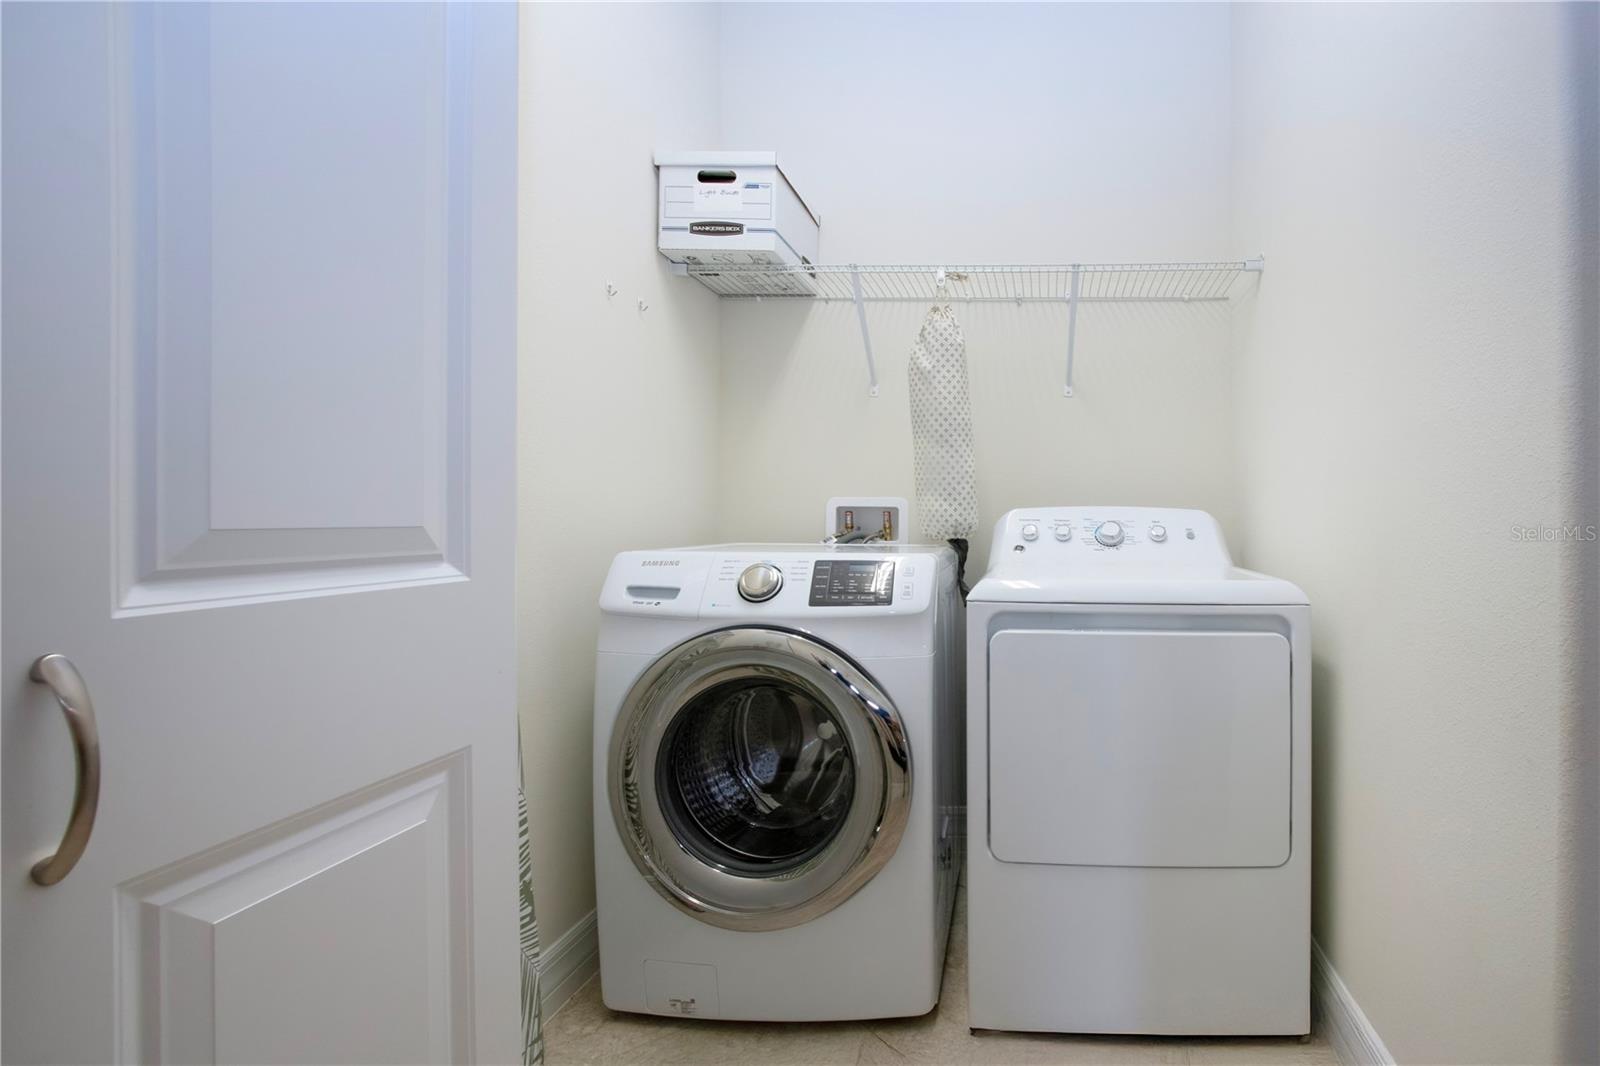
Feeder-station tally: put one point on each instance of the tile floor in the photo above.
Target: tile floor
(584, 1031)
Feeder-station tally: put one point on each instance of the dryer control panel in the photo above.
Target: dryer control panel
(1108, 541)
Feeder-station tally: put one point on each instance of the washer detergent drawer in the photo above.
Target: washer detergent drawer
(1139, 748)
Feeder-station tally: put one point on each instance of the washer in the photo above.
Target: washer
(1139, 760)
(777, 768)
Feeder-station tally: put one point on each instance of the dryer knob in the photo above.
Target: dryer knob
(760, 582)
(1030, 532)
(1108, 533)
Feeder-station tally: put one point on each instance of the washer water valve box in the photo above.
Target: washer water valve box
(880, 517)
(731, 209)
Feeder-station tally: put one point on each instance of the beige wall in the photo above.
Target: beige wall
(694, 422)
(1414, 378)
(1416, 382)
(934, 133)
(617, 407)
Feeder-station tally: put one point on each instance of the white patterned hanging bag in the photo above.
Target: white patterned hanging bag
(941, 430)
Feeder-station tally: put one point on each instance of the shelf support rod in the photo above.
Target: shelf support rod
(1072, 328)
(866, 335)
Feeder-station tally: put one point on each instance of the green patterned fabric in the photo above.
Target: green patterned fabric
(532, 1022)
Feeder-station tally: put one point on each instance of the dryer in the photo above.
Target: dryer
(1139, 773)
(776, 780)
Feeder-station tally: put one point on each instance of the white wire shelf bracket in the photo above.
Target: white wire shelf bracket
(1071, 284)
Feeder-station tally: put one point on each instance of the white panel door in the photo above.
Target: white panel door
(258, 489)
(1139, 747)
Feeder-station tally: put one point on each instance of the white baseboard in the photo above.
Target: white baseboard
(1352, 1036)
(567, 964)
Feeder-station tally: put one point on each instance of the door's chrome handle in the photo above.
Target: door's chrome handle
(66, 684)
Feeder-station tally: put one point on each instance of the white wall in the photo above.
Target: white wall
(932, 133)
(617, 407)
(1416, 380)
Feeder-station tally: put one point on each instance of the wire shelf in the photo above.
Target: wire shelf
(1095, 282)
(1072, 284)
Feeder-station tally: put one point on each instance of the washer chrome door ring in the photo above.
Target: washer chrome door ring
(733, 894)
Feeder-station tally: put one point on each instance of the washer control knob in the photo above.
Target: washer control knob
(1108, 533)
(760, 582)
(1063, 532)
(1158, 532)
(1030, 532)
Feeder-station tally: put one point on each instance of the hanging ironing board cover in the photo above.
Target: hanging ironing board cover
(941, 429)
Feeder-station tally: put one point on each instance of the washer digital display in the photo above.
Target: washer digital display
(848, 583)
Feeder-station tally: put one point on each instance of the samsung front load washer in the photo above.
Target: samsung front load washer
(776, 780)
(1139, 775)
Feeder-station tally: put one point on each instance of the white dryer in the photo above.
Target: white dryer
(1139, 778)
(776, 780)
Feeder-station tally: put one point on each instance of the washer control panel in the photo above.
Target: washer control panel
(780, 584)
(852, 583)
(1117, 540)
(818, 583)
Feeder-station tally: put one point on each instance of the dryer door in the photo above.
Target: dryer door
(758, 777)
(1139, 747)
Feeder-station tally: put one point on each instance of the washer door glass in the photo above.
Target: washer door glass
(759, 778)
(756, 775)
